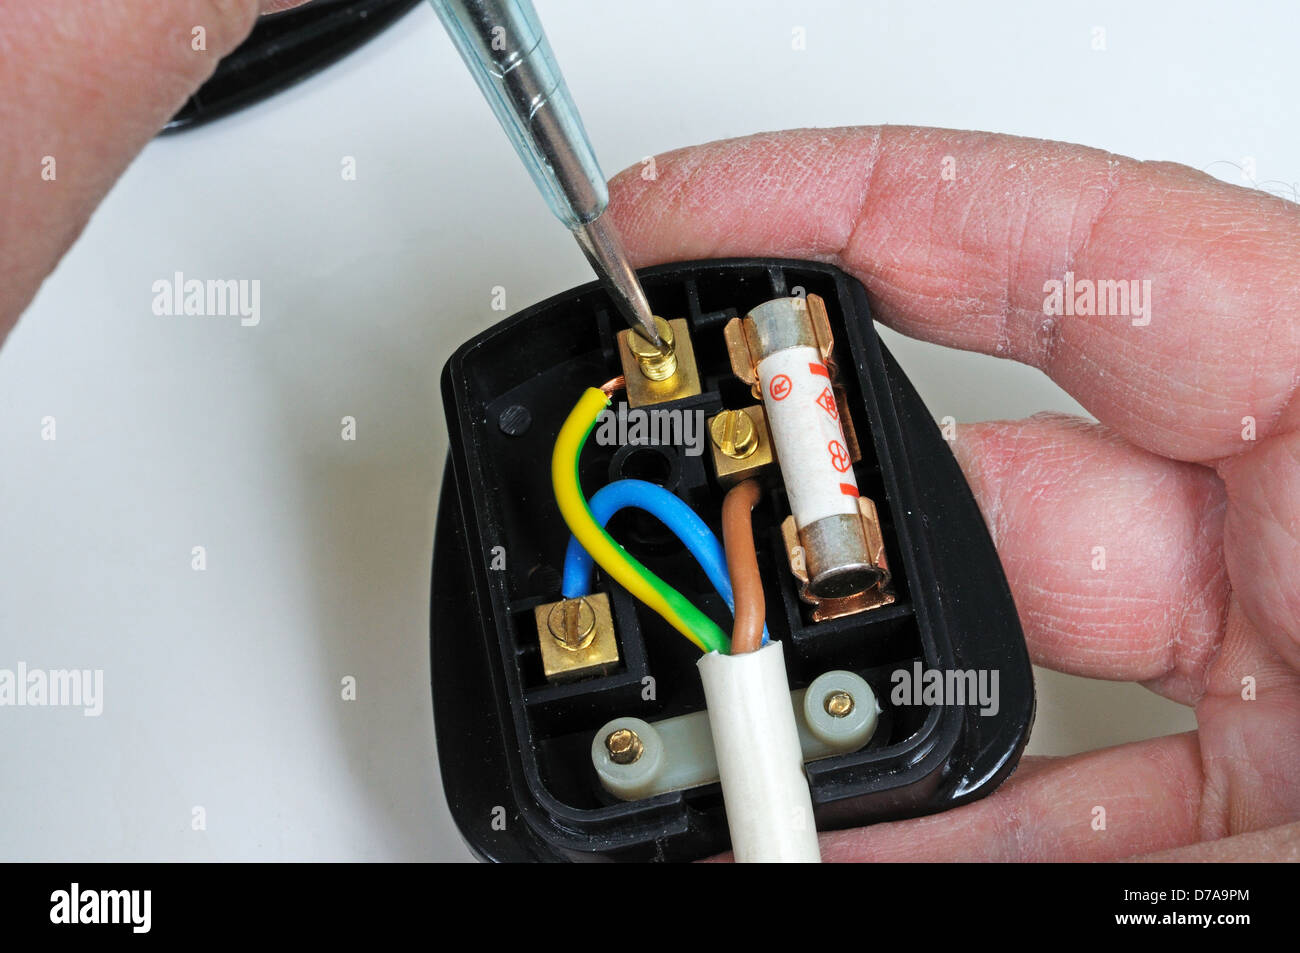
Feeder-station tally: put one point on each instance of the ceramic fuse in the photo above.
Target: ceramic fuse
(816, 464)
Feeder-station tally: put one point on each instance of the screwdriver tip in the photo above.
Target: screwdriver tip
(603, 247)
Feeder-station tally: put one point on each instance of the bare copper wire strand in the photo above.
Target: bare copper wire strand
(616, 384)
(742, 565)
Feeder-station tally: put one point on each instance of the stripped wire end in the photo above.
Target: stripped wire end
(611, 387)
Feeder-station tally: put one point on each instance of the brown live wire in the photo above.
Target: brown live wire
(742, 565)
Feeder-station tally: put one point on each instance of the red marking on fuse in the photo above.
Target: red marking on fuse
(826, 400)
(819, 370)
(839, 455)
(848, 489)
(780, 387)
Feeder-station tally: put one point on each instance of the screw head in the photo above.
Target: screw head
(734, 433)
(839, 704)
(624, 746)
(657, 364)
(572, 623)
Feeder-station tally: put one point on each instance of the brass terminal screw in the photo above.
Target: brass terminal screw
(624, 746)
(839, 704)
(734, 433)
(657, 364)
(572, 624)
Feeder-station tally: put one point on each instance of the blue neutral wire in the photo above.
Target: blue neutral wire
(670, 510)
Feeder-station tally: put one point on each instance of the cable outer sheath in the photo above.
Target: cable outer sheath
(760, 764)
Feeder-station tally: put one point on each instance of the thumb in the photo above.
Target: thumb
(83, 88)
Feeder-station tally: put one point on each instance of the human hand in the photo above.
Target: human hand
(1191, 480)
(83, 88)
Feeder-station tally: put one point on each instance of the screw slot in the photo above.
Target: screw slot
(572, 624)
(734, 433)
(656, 363)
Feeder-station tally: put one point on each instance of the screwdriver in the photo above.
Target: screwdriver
(502, 43)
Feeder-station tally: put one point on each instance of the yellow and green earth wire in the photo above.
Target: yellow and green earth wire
(621, 565)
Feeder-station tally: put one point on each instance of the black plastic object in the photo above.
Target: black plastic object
(284, 48)
(515, 750)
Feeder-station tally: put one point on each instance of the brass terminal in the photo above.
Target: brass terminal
(740, 443)
(734, 433)
(624, 746)
(655, 375)
(656, 363)
(576, 637)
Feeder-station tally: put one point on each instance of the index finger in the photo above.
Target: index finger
(958, 235)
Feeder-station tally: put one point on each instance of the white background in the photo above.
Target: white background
(223, 687)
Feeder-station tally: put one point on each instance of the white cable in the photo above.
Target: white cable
(760, 764)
